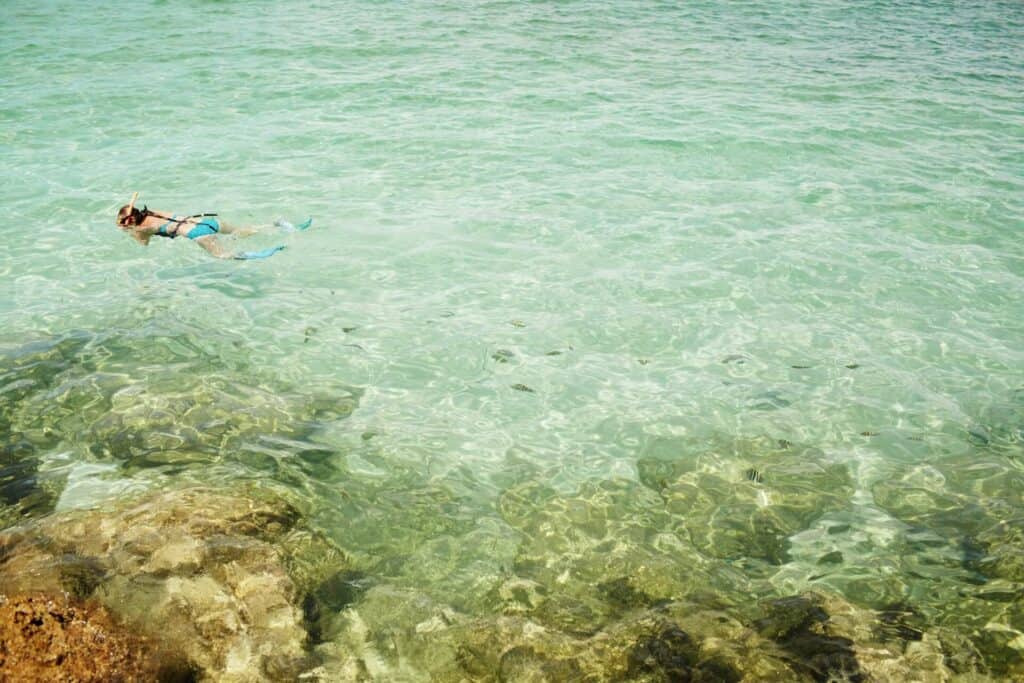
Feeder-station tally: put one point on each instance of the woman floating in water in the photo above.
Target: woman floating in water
(201, 228)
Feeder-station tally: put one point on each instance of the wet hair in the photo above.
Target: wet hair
(129, 215)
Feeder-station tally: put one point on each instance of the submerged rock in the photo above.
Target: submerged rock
(400, 634)
(206, 573)
(594, 555)
(395, 634)
(745, 498)
(963, 518)
(26, 372)
(146, 399)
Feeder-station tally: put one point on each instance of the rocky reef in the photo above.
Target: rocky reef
(722, 559)
(400, 635)
(217, 579)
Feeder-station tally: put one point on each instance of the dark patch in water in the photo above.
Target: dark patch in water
(18, 483)
(770, 400)
(502, 356)
(523, 387)
(1001, 596)
(799, 625)
(330, 597)
(621, 593)
(979, 435)
(893, 624)
(834, 557)
(672, 655)
(80, 575)
(179, 672)
(974, 553)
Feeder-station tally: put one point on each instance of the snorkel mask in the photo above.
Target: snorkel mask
(133, 216)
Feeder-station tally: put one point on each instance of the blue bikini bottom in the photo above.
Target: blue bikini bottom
(209, 226)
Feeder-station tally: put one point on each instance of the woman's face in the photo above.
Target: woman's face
(127, 220)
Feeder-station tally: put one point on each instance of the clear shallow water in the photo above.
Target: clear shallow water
(556, 248)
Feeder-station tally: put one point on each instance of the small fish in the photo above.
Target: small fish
(523, 387)
(754, 476)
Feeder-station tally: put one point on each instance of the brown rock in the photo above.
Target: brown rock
(49, 638)
(203, 573)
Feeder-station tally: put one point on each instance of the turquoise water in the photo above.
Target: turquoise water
(557, 247)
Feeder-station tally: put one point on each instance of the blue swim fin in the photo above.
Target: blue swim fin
(263, 253)
(288, 227)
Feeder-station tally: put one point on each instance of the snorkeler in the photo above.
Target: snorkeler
(201, 228)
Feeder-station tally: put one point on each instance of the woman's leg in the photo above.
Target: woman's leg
(210, 244)
(240, 230)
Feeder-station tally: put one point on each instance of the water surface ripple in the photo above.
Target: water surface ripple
(727, 295)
